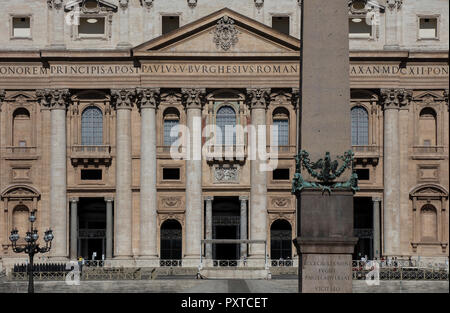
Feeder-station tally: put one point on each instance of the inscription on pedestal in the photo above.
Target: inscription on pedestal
(327, 273)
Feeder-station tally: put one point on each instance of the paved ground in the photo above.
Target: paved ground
(187, 284)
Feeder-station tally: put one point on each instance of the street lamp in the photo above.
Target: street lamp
(31, 247)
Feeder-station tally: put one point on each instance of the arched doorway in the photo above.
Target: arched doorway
(171, 240)
(281, 240)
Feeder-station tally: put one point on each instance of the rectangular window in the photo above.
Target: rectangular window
(170, 23)
(358, 28)
(280, 174)
(171, 174)
(91, 174)
(281, 24)
(21, 27)
(428, 28)
(363, 174)
(91, 26)
(168, 126)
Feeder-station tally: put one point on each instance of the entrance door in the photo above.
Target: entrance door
(226, 225)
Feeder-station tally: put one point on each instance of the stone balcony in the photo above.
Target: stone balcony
(225, 153)
(428, 152)
(100, 154)
(14, 152)
(367, 154)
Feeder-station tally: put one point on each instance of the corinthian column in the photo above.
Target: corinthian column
(193, 100)
(258, 99)
(392, 100)
(123, 205)
(148, 101)
(57, 11)
(56, 100)
(123, 23)
(392, 23)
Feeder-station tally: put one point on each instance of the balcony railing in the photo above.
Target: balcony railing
(226, 152)
(372, 150)
(428, 149)
(82, 154)
(22, 151)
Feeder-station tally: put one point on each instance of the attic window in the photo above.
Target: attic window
(91, 27)
(281, 24)
(428, 28)
(358, 28)
(21, 27)
(170, 23)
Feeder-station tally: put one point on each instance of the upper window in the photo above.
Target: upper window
(21, 27)
(427, 127)
(92, 126)
(428, 27)
(360, 126)
(281, 124)
(226, 123)
(22, 128)
(358, 28)
(171, 125)
(91, 27)
(281, 23)
(170, 23)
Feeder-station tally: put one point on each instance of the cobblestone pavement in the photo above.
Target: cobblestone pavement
(184, 284)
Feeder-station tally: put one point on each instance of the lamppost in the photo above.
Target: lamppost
(31, 247)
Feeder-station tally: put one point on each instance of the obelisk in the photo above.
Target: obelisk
(325, 239)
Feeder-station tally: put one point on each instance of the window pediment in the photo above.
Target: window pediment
(102, 6)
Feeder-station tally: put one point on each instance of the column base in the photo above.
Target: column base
(326, 264)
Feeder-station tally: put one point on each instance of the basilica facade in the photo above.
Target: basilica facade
(95, 95)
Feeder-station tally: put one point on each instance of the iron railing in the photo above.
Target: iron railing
(170, 263)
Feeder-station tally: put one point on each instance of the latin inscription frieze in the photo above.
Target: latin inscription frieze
(212, 69)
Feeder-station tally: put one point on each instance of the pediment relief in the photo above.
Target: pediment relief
(20, 96)
(428, 97)
(222, 33)
(20, 192)
(429, 190)
(93, 6)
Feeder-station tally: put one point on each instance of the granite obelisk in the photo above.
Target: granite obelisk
(323, 181)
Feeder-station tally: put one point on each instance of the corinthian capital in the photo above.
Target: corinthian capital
(193, 98)
(123, 98)
(395, 98)
(123, 4)
(148, 97)
(55, 4)
(394, 4)
(53, 98)
(258, 98)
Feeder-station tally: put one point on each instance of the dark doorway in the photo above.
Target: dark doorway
(226, 225)
(92, 228)
(171, 240)
(363, 224)
(280, 240)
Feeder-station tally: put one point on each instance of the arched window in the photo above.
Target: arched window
(171, 240)
(21, 128)
(281, 120)
(226, 122)
(427, 127)
(171, 120)
(92, 126)
(360, 126)
(280, 240)
(428, 217)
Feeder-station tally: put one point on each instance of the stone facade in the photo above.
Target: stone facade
(140, 81)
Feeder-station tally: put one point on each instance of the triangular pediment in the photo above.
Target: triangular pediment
(429, 95)
(223, 33)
